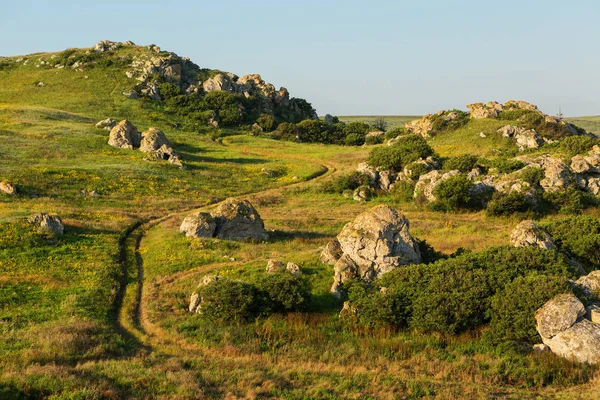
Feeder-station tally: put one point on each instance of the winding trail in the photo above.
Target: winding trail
(131, 315)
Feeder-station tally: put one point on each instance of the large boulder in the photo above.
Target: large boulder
(527, 233)
(422, 127)
(568, 328)
(238, 220)
(125, 136)
(558, 314)
(376, 242)
(198, 225)
(47, 224)
(528, 139)
(331, 253)
(557, 175)
(590, 284)
(166, 152)
(152, 140)
(587, 164)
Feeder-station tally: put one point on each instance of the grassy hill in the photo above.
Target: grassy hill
(101, 312)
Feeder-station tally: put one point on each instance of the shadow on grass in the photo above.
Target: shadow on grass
(285, 236)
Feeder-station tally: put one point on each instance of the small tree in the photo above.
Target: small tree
(380, 123)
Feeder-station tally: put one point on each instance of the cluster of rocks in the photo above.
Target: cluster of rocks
(376, 242)
(125, 135)
(584, 172)
(183, 73)
(47, 224)
(232, 220)
(107, 45)
(523, 138)
(274, 266)
(569, 328)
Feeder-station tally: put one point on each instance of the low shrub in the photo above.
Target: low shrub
(408, 149)
(226, 300)
(453, 194)
(532, 175)
(571, 201)
(394, 133)
(376, 308)
(464, 163)
(508, 204)
(344, 182)
(376, 139)
(354, 139)
(267, 122)
(513, 115)
(442, 123)
(512, 309)
(573, 145)
(403, 191)
(284, 292)
(503, 165)
(416, 169)
(578, 236)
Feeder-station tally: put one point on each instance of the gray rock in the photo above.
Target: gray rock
(557, 174)
(166, 152)
(273, 266)
(429, 181)
(386, 179)
(581, 342)
(198, 225)
(362, 193)
(125, 136)
(195, 305)
(238, 220)
(376, 242)
(540, 348)
(293, 268)
(47, 224)
(370, 172)
(527, 233)
(558, 315)
(592, 313)
(107, 124)
(590, 284)
(331, 253)
(152, 140)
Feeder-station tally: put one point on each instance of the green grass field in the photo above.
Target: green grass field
(591, 124)
(102, 312)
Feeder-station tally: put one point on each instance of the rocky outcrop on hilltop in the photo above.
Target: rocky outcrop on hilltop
(376, 242)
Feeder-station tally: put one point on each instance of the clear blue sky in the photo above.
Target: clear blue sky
(351, 57)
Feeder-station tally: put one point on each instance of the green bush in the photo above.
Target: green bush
(454, 294)
(532, 175)
(395, 157)
(512, 309)
(285, 292)
(416, 169)
(344, 182)
(578, 236)
(394, 133)
(453, 193)
(168, 90)
(354, 139)
(403, 191)
(371, 140)
(267, 122)
(508, 203)
(571, 201)
(286, 131)
(573, 145)
(513, 115)
(226, 105)
(503, 165)
(376, 308)
(226, 300)
(464, 163)
(441, 123)
(356, 128)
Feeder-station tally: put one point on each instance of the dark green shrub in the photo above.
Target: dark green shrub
(573, 145)
(394, 133)
(374, 139)
(295, 111)
(403, 191)
(416, 169)
(508, 203)
(512, 309)
(408, 149)
(504, 165)
(267, 122)
(513, 115)
(350, 181)
(225, 300)
(464, 163)
(376, 307)
(532, 120)
(532, 175)
(453, 193)
(354, 139)
(226, 105)
(285, 292)
(442, 123)
(571, 201)
(579, 236)
(168, 90)
(286, 131)
(357, 128)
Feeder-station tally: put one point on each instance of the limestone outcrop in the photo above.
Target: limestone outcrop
(376, 242)
(528, 233)
(125, 136)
